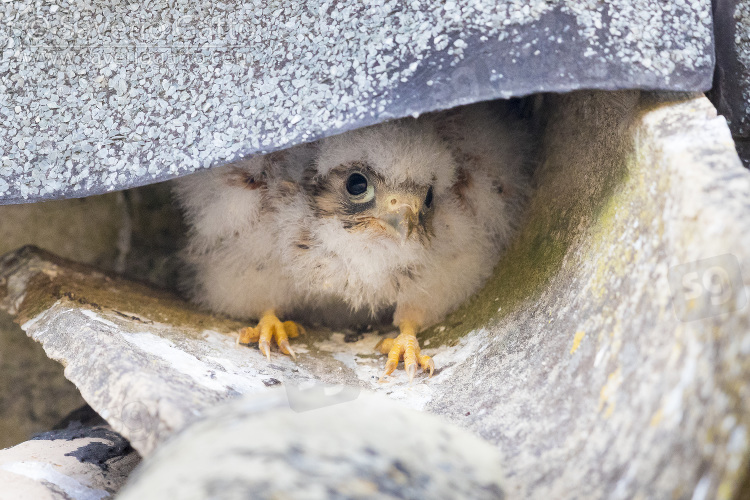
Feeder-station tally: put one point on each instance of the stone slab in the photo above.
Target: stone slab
(34, 394)
(78, 463)
(607, 357)
(101, 96)
(367, 448)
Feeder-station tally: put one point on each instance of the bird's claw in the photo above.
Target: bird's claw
(405, 346)
(270, 327)
(265, 348)
(287, 349)
(410, 370)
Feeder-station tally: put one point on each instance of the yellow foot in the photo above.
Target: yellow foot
(270, 327)
(406, 346)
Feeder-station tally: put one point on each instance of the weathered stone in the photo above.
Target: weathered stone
(731, 89)
(78, 463)
(587, 380)
(574, 360)
(85, 230)
(135, 232)
(34, 394)
(106, 106)
(144, 360)
(370, 447)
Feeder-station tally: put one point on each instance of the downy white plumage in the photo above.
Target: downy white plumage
(403, 220)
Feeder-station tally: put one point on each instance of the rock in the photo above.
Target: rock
(34, 394)
(267, 78)
(731, 90)
(134, 233)
(596, 375)
(78, 463)
(85, 230)
(144, 360)
(606, 357)
(370, 447)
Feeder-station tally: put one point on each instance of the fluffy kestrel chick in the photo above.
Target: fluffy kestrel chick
(405, 219)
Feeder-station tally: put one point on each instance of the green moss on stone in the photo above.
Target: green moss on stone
(573, 199)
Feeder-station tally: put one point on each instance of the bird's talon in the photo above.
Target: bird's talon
(427, 363)
(405, 347)
(265, 349)
(286, 348)
(271, 329)
(411, 370)
(248, 335)
(390, 366)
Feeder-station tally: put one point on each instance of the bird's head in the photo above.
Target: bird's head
(363, 200)
(383, 180)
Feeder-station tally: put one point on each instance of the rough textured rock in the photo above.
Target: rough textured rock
(135, 232)
(588, 380)
(731, 89)
(574, 360)
(85, 230)
(122, 94)
(143, 359)
(370, 447)
(78, 463)
(34, 394)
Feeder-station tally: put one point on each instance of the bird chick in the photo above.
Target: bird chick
(404, 219)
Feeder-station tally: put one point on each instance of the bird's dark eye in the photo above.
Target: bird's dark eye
(356, 184)
(359, 188)
(428, 198)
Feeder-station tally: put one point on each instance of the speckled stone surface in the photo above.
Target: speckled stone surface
(78, 463)
(366, 448)
(731, 92)
(607, 357)
(104, 95)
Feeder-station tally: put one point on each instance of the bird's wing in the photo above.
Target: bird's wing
(238, 215)
(221, 201)
(490, 143)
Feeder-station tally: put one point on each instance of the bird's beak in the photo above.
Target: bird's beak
(401, 214)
